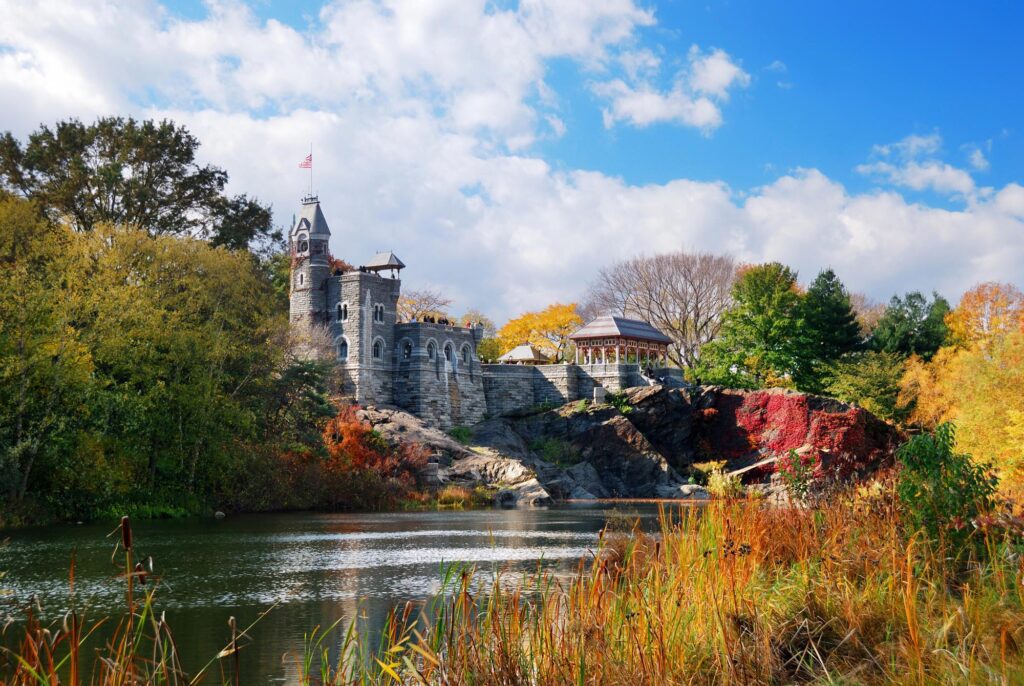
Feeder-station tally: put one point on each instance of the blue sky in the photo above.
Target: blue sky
(514, 148)
(856, 74)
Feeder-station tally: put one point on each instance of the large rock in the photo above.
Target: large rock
(665, 416)
(598, 453)
(708, 423)
(847, 439)
(574, 453)
(503, 471)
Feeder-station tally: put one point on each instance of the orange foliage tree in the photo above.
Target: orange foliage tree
(353, 447)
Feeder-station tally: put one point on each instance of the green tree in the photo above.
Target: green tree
(830, 329)
(870, 379)
(760, 340)
(912, 325)
(298, 403)
(942, 491)
(831, 322)
(45, 370)
(125, 172)
(241, 223)
(489, 350)
(179, 333)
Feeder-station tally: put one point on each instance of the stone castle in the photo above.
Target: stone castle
(429, 368)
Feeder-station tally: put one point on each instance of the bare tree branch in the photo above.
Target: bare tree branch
(682, 294)
(414, 305)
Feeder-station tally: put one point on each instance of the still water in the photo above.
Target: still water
(315, 567)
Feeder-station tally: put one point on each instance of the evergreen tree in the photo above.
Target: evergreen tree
(830, 329)
(912, 325)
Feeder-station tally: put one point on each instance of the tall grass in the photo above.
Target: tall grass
(739, 593)
(735, 593)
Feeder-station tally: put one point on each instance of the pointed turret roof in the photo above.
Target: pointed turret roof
(311, 218)
(384, 260)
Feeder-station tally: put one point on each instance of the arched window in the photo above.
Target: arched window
(378, 350)
(407, 351)
(378, 313)
(302, 278)
(342, 312)
(343, 350)
(465, 355)
(448, 352)
(431, 351)
(303, 244)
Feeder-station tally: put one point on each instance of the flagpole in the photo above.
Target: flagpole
(311, 169)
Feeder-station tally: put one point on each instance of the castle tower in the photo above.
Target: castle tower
(311, 267)
(366, 312)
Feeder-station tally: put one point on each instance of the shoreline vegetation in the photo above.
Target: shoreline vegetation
(894, 581)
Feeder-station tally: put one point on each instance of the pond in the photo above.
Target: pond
(315, 567)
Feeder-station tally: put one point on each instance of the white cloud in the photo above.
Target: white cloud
(644, 105)
(911, 147)
(694, 99)
(714, 74)
(911, 163)
(977, 158)
(978, 161)
(422, 114)
(641, 63)
(930, 175)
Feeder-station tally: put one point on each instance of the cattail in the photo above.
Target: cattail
(126, 533)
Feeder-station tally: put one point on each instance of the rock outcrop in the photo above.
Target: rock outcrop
(746, 427)
(586, 451)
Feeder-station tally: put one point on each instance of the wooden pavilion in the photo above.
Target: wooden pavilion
(611, 339)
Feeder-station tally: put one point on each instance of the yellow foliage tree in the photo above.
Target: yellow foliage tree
(547, 329)
(978, 387)
(987, 310)
(928, 387)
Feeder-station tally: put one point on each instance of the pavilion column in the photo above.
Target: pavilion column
(618, 357)
(577, 354)
(604, 356)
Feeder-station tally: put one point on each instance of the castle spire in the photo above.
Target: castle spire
(311, 218)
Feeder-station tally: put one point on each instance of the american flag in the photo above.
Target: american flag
(307, 163)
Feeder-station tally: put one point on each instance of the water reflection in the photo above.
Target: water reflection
(317, 568)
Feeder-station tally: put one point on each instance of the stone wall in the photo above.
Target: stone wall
(508, 388)
(438, 376)
(513, 388)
